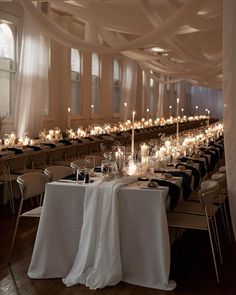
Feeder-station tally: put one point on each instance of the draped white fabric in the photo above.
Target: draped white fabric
(32, 86)
(207, 98)
(98, 261)
(129, 84)
(229, 88)
(189, 32)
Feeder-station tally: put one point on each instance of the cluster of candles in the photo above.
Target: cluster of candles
(157, 154)
(55, 134)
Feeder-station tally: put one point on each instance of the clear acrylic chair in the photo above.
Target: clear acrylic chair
(200, 222)
(58, 172)
(6, 182)
(31, 185)
(222, 200)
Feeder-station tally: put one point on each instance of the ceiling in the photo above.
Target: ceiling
(178, 38)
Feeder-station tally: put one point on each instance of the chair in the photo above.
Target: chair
(58, 172)
(6, 182)
(200, 222)
(70, 152)
(56, 156)
(39, 160)
(77, 164)
(30, 184)
(221, 200)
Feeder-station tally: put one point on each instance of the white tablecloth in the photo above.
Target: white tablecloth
(144, 238)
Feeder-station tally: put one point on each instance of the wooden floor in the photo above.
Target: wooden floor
(192, 266)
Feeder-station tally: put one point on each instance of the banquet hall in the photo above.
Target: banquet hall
(116, 132)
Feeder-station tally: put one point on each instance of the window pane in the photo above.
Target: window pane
(151, 95)
(116, 85)
(95, 91)
(116, 99)
(76, 100)
(7, 70)
(6, 42)
(95, 95)
(75, 60)
(76, 104)
(95, 65)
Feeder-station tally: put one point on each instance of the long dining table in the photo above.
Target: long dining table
(143, 230)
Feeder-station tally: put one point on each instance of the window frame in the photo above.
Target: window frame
(14, 25)
(116, 84)
(97, 79)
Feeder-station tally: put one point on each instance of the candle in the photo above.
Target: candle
(147, 114)
(132, 138)
(119, 155)
(125, 111)
(144, 152)
(177, 125)
(68, 118)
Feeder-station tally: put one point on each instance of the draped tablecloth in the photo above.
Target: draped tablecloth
(143, 233)
(98, 263)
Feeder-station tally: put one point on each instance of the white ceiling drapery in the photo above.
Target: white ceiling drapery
(188, 32)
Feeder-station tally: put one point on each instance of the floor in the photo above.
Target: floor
(191, 267)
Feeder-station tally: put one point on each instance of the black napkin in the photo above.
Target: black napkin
(51, 145)
(73, 176)
(174, 191)
(195, 173)
(15, 150)
(34, 147)
(65, 141)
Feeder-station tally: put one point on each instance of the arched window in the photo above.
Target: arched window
(95, 93)
(116, 85)
(76, 101)
(7, 68)
(6, 42)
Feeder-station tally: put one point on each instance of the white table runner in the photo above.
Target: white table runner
(98, 260)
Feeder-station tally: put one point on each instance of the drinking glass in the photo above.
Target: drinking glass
(89, 164)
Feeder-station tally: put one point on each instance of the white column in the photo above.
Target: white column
(229, 90)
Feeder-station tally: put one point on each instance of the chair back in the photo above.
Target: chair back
(39, 159)
(3, 168)
(207, 194)
(222, 169)
(17, 164)
(220, 178)
(77, 164)
(32, 184)
(58, 172)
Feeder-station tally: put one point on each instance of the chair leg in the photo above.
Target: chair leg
(223, 219)
(15, 231)
(11, 199)
(217, 239)
(227, 222)
(213, 252)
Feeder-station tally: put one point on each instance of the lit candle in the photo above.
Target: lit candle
(68, 118)
(177, 125)
(125, 111)
(144, 152)
(170, 107)
(148, 114)
(132, 138)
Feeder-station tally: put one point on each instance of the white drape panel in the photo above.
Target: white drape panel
(192, 39)
(32, 86)
(207, 98)
(129, 85)
(229, 89)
